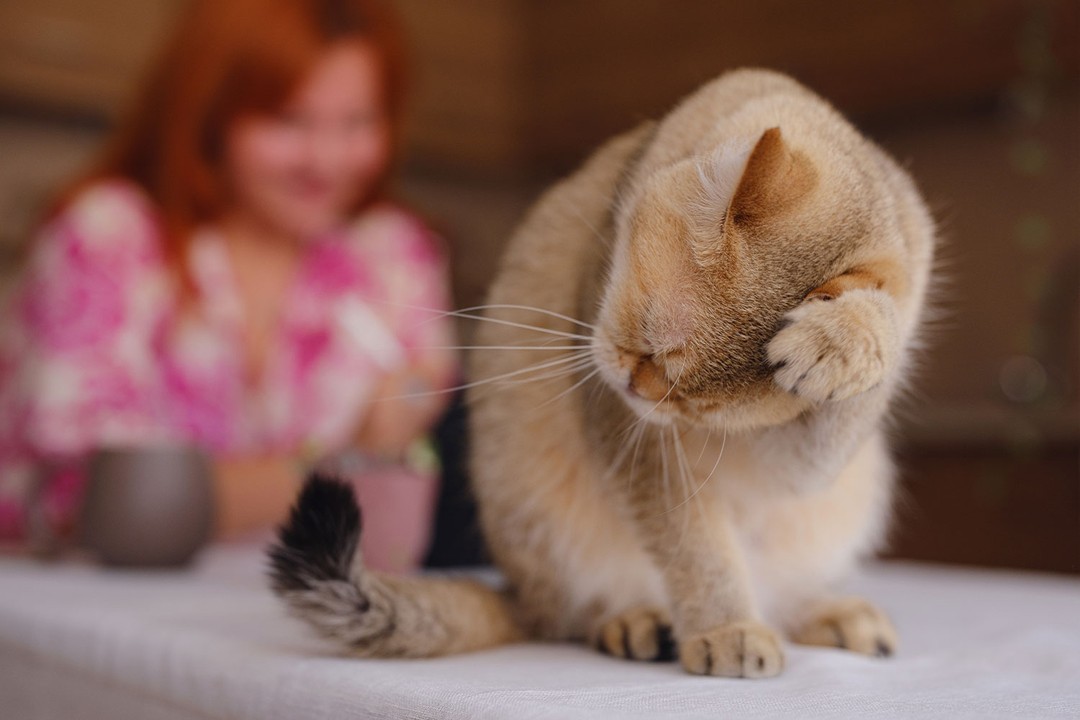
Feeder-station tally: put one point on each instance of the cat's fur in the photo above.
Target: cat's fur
(751, 272)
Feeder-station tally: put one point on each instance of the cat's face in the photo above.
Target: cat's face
(699, 283)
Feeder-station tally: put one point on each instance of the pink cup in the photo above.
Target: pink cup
(398, 506)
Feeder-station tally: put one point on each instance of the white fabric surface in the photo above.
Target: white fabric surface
(80, 642)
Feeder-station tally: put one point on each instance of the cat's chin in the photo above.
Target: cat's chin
(763, 412)
(733, 417)
(659, 413)
(768, 409)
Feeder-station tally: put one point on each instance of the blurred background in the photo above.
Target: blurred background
(980, 99)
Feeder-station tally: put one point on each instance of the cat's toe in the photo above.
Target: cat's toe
(852, 624)
(745, 649)
(638, 634)
(831, 350)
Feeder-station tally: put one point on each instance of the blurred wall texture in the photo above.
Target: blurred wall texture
(979, 98)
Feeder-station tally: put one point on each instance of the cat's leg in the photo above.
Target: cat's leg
(641, 633)
(715, 621)
(850, 623)
(575, 564)
(844, 339)
(809, 543)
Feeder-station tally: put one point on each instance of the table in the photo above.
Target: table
(77, 641)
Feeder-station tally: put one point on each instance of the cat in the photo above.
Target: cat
(694, 342)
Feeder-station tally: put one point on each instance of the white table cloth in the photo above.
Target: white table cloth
(80, 642)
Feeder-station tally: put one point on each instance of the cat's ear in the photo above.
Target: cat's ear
(775, 178)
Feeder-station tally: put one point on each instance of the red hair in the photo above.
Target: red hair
(226, 59)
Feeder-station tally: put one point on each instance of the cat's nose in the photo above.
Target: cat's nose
(648, 381)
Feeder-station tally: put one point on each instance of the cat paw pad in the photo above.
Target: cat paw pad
(744, 649)
(851, 624)
(832, 349)
(638, 634)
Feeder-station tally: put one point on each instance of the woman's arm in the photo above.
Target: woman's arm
(253, 493)
(409, 398)
(406, 405)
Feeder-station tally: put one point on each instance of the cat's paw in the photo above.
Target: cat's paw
(832, 349)
(638, 634)
(852, 624)
(744, 649)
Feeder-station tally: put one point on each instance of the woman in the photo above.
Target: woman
(230, 276)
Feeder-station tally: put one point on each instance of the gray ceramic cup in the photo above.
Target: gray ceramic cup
(147, 507)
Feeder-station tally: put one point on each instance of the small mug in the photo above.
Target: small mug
(147, 506)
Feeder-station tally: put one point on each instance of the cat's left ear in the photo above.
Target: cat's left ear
(776, 177)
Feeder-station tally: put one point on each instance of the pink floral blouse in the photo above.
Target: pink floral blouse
(94, 352)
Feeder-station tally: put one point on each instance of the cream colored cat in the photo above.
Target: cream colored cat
(686, 440)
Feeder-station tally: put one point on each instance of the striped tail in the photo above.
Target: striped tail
(315, 567)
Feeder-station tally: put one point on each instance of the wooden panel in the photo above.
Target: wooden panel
(464, 110)
(990, 506)
(568, 73)
(76, 55)
(523, 88)
(606, 63)
(1010, 262)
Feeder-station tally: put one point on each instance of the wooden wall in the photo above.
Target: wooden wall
(522, 88)
(78, 56)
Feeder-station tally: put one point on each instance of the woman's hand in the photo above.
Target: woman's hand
(406, 404)
(253, 493)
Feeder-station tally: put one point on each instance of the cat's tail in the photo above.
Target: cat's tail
(315, 567)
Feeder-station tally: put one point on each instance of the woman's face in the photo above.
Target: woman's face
(298, 172)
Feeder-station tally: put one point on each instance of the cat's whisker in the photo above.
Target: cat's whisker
(557, 368)
(708, 437)
(543, 341)
(664, 429)
(570, 389)
(578, 348)
(581, 216)
(504, 376)
(639, 434)
(490, 389)
(466, 315)
(554, 374)
(683, 463)
(616, 462)
(626, 445)
(664, 464)
(523, 326)
(594, 394)
(625, 432)
(708, 477)
(685, 482)
(508, 306)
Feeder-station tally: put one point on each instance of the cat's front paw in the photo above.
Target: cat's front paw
(832, 349)
(743, 649)
(639, 634)
(852, 624)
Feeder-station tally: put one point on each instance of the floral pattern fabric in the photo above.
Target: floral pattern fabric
(95, 350)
